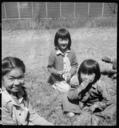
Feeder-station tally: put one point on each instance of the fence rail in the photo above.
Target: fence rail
(46, 10)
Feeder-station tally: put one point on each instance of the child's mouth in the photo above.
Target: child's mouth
(64, 45)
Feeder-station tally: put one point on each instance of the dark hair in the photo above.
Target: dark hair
(9, 63)
(63, 34)
(89, 66)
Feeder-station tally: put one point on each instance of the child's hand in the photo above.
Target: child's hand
(60, 73)
(85, 83)
(93, 107)
(68, 77)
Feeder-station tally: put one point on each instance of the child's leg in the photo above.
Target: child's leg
(62, 86)
(40, 121)
(84, 119)
(68, 106)
(110, 111)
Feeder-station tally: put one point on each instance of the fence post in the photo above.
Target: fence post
(18, 7)
(46, 9)
(32, 9)
(88, 9)
(5, 10)
(103, 9)
(60, 11)
(74, 10)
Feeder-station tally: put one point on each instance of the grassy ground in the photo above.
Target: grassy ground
(33, 48)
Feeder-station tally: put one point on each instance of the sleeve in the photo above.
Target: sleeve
(104, 90)
(74, 64)
(7, 115)
(73, 94)
(36, 119)
(51, 62)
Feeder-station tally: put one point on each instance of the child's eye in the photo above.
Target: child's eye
(21, 77)
(60, 39)
(66, 39)
(11, 78)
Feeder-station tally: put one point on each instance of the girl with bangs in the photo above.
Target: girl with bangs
(62, 63)
(16, 107)
(91, 100)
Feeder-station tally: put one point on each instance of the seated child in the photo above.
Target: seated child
(62, 62)
(16, 109)
(91, 99)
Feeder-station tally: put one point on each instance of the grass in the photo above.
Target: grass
(29, 24)
(33, 47)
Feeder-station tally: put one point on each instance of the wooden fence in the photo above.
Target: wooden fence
(42, 10)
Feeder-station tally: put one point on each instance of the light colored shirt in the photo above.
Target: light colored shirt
(12, 111)
(66, 62)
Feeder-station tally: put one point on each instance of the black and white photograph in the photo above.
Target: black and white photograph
(59, 63)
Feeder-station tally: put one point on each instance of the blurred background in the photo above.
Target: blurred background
(28, 31)
(46, 15)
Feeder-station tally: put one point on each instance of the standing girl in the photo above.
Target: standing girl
(91, 99)
(16, 109)
(62, 62)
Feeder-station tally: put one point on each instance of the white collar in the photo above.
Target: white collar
(9, 98)
(59, 52)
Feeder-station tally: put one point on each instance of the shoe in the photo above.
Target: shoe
(70, 114)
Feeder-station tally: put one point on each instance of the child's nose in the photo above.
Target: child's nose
(86, 77)
(16, 82)
(64, 42)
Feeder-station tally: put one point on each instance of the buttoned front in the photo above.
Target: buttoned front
(59, 62)
(14, 107)
(98, 93)
(19, 111)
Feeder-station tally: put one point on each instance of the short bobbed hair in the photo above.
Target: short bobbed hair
(89, 66)
(63, 34)
(9, 63)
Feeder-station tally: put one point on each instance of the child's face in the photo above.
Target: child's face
(88, 77)
(14, 80)
(63, 43)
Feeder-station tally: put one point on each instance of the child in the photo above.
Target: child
(16, 109)
(62, 61)
(91, 99)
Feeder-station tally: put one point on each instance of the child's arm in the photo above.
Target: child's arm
(7, 115)
(107, 99)
(74, 93)
(51, 63)
(74, 64)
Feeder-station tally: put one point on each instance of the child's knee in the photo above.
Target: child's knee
(74, 81)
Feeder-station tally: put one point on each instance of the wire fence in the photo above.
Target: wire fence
(47, 10)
